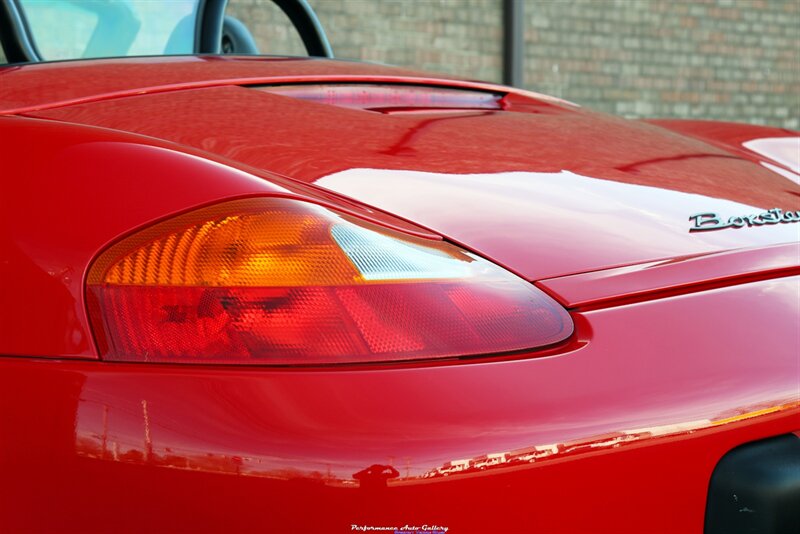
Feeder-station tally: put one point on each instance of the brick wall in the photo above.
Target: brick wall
(460, 37)
(733, 60)
(271, 29)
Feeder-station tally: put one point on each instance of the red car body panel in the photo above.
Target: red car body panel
(621, 201)
(57, 84)
(686, 343)
(636, 416)
(647, 281)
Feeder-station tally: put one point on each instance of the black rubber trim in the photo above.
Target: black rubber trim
(755, 489)
(308, 26)
(236, 38)
(15, 35)
(208, 32)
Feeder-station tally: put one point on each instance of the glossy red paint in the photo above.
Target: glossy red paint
(624, 201)
(58, 84)
(73, 190)
(648, 281)
(630, 423)
(730, 136)
(617, 428)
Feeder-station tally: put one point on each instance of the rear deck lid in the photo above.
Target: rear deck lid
(542, 188)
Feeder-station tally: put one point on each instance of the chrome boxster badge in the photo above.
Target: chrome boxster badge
(713, 221)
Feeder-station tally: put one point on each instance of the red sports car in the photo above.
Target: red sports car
(278, 294)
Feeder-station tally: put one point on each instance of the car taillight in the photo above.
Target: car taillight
(280, 281)
(387, 97)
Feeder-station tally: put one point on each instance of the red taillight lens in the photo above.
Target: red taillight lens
(278, 281)
(386, 97)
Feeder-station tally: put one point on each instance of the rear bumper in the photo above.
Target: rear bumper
(621, 431)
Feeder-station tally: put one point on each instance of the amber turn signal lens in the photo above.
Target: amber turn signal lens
(280, 281)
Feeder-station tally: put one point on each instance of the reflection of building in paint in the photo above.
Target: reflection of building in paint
(451, 467)
(611, 439)
(531, 454)
(663, 430)
(739, 414)
(490, 460)
(538, 453)
(135, 433)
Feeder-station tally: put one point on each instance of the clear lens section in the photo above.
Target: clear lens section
(283, 282)
(381, 257)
